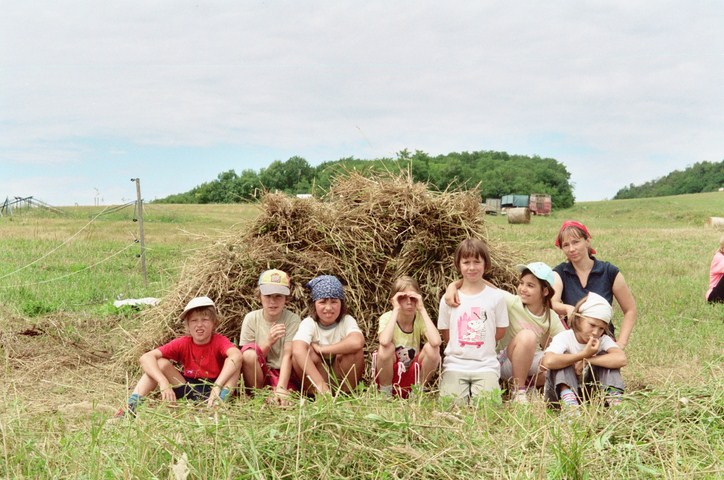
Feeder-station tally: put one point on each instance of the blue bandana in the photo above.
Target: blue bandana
(325, 286)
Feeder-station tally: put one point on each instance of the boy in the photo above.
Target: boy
(209, 361)
(472, 329)
(266, 337)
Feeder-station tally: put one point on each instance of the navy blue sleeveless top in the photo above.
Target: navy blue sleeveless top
(600, 281)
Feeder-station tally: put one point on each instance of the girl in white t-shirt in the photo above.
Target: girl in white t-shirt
(471, 329)
(328, 346)
(585, 351)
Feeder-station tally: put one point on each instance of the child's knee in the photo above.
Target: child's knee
(385, 353)
(526, 339)
(249, 357)
(430, 353)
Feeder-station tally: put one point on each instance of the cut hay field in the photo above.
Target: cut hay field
(61, 341)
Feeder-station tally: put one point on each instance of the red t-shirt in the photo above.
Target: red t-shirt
(198, 361)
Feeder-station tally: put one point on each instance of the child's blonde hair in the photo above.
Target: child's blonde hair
(403, 283)
(472, 247)
(209, 311)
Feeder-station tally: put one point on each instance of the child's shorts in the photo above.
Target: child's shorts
(506, 367)
(468, 385)
(271, 375)
(403, 378)
(195, 389)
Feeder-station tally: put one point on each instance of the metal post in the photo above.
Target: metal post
(139, 209)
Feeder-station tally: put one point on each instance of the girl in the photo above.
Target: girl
(328, 341)
(585, 345)
(399, 361)
(471, 329)
(532, 325)
(583, 273)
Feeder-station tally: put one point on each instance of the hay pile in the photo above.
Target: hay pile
(366, 231)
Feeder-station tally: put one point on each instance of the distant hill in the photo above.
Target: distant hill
(495, 173)
(700, 177)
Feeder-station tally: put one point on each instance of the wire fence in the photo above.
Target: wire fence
(106, 211)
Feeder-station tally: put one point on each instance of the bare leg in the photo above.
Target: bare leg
(147, 384)
(251, 370)
(349, 369)
(309, 368)
(385, 364)
(520, 352)
(429, 362)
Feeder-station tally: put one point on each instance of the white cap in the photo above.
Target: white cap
(197, 303)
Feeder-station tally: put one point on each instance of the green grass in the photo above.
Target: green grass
(59, 341)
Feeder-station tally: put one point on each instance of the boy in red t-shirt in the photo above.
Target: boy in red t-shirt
(210, 363)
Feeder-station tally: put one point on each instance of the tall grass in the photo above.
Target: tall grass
(61, 383)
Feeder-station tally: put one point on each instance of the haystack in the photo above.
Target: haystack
(366, 231)
(519, 215)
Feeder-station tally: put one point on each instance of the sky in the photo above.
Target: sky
(93, 94)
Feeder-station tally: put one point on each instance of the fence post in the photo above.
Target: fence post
(139, 209)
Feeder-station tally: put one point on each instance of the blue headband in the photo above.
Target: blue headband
(326, 286)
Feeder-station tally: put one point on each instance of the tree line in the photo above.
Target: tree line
(493, 173)
(698, 178)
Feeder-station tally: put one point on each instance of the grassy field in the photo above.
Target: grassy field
(61, 337)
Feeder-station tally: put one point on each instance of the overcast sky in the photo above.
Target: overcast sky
(93, 93)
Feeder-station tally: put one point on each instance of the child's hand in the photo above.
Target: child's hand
(280, 397)
(214, 397)
(578, 366)
(451, 296)
(404, 296)
(167, 394)
(317, 348)
(276, 332)
(591, 347)
(396, 300)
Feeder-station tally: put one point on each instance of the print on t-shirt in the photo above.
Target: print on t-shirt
(471, 327)
(405, 355)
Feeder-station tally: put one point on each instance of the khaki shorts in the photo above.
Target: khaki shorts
(465, 386)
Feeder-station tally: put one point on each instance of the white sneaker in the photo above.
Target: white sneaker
(520, 397)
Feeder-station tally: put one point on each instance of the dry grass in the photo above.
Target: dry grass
(366, 231)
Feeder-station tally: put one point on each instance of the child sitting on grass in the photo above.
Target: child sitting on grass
(210, 363)
(471, 329)
(329, 346)
(400, 363)
(266, 338)
(585, 351)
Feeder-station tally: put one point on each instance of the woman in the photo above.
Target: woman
(583, 273)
